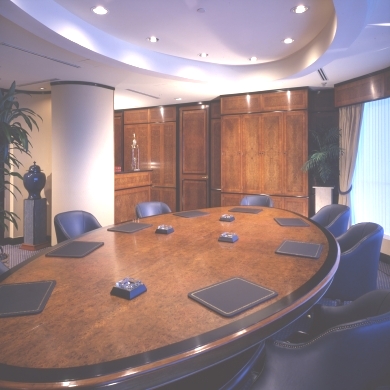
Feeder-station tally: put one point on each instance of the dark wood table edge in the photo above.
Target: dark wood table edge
(199, 352)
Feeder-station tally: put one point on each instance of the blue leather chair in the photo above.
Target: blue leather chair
(3, 268)
(71, 224)
(148, 209)
(346, 349)
(257, 200)
(334, 217)
(357, 273)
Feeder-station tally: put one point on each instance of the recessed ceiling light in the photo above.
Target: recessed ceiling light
(177, 98)
(299, 9)
(203, 55)
(153, 39)
(99, 10)
(41, 88)
(253, 59)
(287, 41)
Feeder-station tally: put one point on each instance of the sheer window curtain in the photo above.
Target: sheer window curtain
(350, 120)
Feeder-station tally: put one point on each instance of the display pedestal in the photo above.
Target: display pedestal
(323, 197)
(35, 225)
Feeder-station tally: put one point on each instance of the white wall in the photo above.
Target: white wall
(83, 151)
(40, 152)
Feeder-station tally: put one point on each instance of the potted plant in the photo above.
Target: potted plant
(323, 162)
(14, 139)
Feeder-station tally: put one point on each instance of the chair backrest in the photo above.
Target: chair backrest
(3, 268)
(334, 217)
(148, 209)
(357, 273)
(257, 200)
(348, 356)
(71, 224)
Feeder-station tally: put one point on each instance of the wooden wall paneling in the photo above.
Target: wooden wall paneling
(231, 178)
(163, 153)
(126, 200)
(215, 109)
(321, 100)
(162, 114)
(278, 202)
(298, 205)
(251, 153)
(142, 134)
(215, 198)
(386, 82)
(136, 116)
(296, 153)
(194, 142)
(215, 154)
(118, 140)
(272, 153)
(169, 154)
(194, 157)
(241, 104)
(360, 91)
(194, 194)
(229, 199)
(285, 100)
(164, 194)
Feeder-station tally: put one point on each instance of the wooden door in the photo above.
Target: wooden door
(194, 152)
(272, 153)
(231, 178)
(295, 153)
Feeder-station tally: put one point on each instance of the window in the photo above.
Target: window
(370, 196)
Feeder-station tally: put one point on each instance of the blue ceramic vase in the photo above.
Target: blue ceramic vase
(34, 181)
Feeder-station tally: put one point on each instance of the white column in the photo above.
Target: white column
(83, 150)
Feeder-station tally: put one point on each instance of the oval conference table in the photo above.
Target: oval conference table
(86, 337)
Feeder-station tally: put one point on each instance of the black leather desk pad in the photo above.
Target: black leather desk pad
(191, 214)
(130, 227)
(75, 249)
(232, 296)
(291, 222)
(245, 210)
(302, 249)
(21, 299)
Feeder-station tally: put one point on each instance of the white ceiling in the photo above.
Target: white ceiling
(46, 40)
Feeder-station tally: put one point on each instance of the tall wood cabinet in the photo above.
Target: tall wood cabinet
(263, 152)
(155, 131)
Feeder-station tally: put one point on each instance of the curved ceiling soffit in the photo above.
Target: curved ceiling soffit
(348, 30)
(69, 26)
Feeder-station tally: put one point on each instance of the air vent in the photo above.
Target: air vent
(141, 93)
(322, 74)
(39, 55)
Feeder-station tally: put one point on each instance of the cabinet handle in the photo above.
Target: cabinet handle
(204, 177)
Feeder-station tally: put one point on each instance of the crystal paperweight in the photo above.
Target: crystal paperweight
(228, 237)
(128, 288)
(164, 229)
(227, 218)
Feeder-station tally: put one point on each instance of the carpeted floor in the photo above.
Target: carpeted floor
(16, 255)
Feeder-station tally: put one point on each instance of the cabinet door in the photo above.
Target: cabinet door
(272, 153)
(215, 154)
(251, 153)
(118, 141)
(295, 152)
(231, 180)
